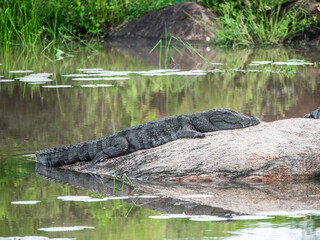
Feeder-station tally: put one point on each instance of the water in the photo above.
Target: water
(33, 117)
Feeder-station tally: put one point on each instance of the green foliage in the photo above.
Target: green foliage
(58, 21)
(259, 22)
(42, 21)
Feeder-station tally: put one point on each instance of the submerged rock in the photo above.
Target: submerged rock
(188, 21)
(314, 114)
(278, 151)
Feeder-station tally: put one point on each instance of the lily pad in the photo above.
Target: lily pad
(88, 86)
(6, 80)
(34, 238)
(301, 213)
(160, 217)
(104, 85)
(74, 198)
(208, 219)
(21, 71)
(57, 86)
(251, 217)
(170, 216)
(261, 62)
(64, 229)
(100, 79)
(25, 202)
(37, 82)
(145, 196)
(220, 64)
(89, 69)
(33, 80)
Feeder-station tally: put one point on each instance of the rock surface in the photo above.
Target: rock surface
(297, 197)
(188, 21)
(278, 151)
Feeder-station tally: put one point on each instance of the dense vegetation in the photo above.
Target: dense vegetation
(58, 21)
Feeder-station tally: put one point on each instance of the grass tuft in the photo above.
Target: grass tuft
(260, 22)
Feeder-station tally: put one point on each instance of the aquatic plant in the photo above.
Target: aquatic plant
(174, 46)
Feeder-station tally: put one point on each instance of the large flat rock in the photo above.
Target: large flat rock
(277, 151)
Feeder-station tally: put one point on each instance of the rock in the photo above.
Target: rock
(297, 197)
(314, 114)
(188, 21)
(269, 152)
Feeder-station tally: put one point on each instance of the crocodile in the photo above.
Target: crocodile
(314, 114)
(145, 136)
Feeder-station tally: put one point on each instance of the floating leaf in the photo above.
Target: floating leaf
(100, 79)
(57, 86)
(6, 80)
(25, 202)
(64, 229)
(21, 71)
(208, 219)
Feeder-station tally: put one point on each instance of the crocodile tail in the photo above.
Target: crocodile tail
(86, 151)
(54, 157)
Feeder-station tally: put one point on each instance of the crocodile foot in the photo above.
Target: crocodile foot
(100, 156)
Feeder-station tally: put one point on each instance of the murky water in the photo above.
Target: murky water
(56, 104)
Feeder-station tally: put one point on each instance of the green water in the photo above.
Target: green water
(33, 118)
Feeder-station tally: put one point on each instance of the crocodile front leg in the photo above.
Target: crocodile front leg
(118, 147)
(189, 131)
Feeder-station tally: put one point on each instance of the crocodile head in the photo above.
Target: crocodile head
(224, 119)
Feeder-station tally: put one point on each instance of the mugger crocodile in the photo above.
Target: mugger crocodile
(146, 135)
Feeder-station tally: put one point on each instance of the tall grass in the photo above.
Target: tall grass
(260, 22)
(171, 46)
(60, 21)
(40, 21)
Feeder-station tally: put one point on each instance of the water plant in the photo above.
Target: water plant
(171, 46)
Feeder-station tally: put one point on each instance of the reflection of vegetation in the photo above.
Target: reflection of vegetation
(111, 219)
(32, 118)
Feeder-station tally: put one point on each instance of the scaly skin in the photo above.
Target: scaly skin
(146, 135)
(314, 114)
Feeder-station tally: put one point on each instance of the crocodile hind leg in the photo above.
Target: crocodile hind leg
(119, 147)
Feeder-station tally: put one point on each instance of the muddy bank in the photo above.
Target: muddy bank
(269, 152)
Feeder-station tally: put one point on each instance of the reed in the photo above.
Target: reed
(171, 46)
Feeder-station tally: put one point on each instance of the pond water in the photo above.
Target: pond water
(46, 102)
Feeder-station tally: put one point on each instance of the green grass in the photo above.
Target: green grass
(171, 46)
(260, 22)
(57, 22)
(61, 21)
